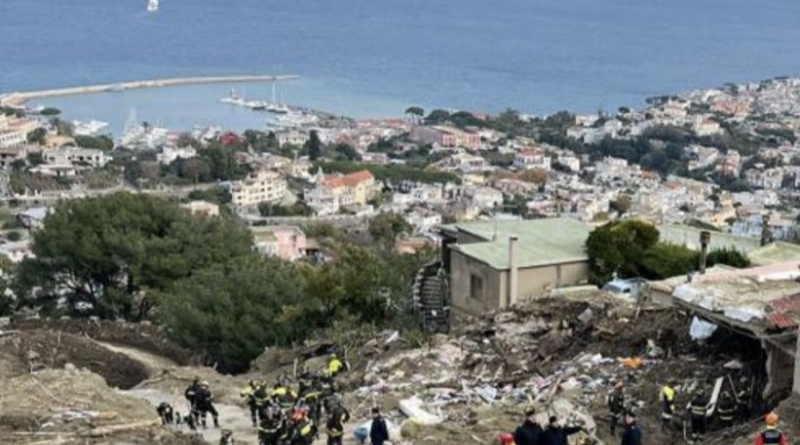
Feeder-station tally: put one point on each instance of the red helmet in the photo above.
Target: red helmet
(506, 438)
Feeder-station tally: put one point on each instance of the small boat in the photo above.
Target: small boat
(152, 5)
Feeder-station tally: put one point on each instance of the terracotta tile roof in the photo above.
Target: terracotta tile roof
(351, 180)
(786, 304)
(782, 321)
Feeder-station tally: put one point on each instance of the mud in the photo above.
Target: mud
(141, 336)
(48, 349)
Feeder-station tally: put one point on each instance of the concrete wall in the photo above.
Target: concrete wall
(535, 282)
(532, 282)
(780, 370)
(461, 269)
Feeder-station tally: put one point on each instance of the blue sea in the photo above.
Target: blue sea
(374, 58)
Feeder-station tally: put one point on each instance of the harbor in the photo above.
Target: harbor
(16, 99)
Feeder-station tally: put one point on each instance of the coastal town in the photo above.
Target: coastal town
(463, 264)
(727, 159)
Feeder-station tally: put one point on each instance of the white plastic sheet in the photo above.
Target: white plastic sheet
(701, 330)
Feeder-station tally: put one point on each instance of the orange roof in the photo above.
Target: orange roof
(350, 180)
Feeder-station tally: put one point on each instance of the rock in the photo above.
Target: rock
(70, 367)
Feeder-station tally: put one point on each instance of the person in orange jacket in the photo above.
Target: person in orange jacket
(506, 439)
(771, 435)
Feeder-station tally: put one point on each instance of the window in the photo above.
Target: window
(476, 287)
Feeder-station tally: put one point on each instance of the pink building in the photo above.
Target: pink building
(284, 242)
(446, 136)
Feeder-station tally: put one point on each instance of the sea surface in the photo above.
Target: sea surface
(374, 58)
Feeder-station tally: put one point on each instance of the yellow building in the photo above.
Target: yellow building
(262, 186)
(353, 189)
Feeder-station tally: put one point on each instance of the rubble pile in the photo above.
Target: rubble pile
(559, 355)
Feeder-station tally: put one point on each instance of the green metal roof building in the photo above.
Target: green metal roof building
(495, 264)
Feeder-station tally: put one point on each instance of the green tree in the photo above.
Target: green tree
(37, 136)
(35, 158)
(110, 251)
(436, 117)
(416, 112)
(729, 257)
(313, 146)
(50, 111)
(102, 142)
(665, 260)
(351, 284)
(347, 152)
(231, 311)
(619, 246)
(63, 128)
(387, 227)
(621, 205)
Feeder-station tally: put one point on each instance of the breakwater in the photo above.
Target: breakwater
(19, 98)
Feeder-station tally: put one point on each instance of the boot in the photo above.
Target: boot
(216, 422)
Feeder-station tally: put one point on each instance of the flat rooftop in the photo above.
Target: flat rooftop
(541, 242)
(758, 299)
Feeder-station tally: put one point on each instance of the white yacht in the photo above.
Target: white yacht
(152, 5)
(89, 128)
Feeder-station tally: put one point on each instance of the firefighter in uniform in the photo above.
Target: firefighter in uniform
(698, 409)
(248, 395)
(271, 427)
(726, 409)
(283, 396)
(616, 406)
(667, 398)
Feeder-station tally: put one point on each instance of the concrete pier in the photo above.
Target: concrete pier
(19, 98)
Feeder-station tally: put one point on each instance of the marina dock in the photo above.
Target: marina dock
(19, 98)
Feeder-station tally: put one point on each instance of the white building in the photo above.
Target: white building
(532, 159)
(262, 186)
(169, 154)
(90, 157)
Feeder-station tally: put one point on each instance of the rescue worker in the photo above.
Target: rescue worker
(556, 434)
(378, 432)
(743, 399)
(271, 426)
(325, 384)
(335, 425)
(314, 403)
(205, 404)
(726, 409)
(166, 413)
(771, 435)
(616, 406)
(698, 409)
(335, 366)
(305, 381)
(632, 435)
(667, 398)
(284, 396)
(248, 395)
(191, 395)
(226, 437)
(262, 399)
(507, 439)
(303, 429)
(530, 432)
